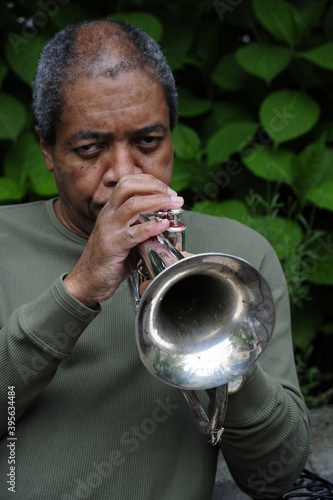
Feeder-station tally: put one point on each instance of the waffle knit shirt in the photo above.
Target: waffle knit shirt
(91, 421)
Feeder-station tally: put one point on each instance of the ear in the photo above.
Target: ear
(46, 150)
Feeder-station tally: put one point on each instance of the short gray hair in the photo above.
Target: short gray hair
(64, 59)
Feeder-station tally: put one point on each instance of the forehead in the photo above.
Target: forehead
(134, 95)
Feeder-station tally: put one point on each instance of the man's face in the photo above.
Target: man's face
(108, 128)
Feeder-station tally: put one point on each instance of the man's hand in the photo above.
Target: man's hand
(100, 269)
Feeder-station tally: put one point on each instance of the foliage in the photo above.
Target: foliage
(312, 380)
(255, 131)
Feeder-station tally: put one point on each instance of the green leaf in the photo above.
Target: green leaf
(308, 17)
(9, 191)
(319, 267)
(264, 60)
(69, 14)
(12, 116)
(232, 209)
(270, 165)
(190, 105)
(312, 156)
(176, 42)
(206, 45)
(230, 139)
(148, 22)
(229, 75)
(20, 160)
(322, 195)
(288, 114)
(186, 142)
(224, 113)
(327, 128)
(313, 174)
(42, 181)
(227, 112)
(23, 54)
(321, 56)
(283, 234)
(305, 325)
(182, 175)
(27, 162)
(3, 71)
(278, 17)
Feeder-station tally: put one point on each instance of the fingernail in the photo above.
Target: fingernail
(177, 199)
(171, 192)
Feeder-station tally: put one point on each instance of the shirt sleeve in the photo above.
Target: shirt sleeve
(267, 430)
(37, 337)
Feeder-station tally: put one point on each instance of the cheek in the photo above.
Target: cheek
(168, 176)
(168, 169)
(74, 182)
(162, 167)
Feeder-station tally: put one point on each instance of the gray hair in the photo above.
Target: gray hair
(66, 58)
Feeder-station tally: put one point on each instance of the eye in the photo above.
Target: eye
(88, 150)
(149, 142)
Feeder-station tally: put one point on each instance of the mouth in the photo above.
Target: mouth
(95, 209)
(99, 206)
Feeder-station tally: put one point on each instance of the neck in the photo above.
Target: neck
(67, 221)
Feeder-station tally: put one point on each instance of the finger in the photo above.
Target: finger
(138, 185)
(128, 213)
(139, 233)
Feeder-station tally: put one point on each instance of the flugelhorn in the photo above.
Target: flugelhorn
(203, 320)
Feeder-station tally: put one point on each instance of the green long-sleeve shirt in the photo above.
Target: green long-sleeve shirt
(91, 422)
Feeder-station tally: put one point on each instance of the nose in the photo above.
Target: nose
(120, 160)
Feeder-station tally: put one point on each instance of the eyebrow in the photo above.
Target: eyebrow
(156, 127)
(86, 134)
(92, 134)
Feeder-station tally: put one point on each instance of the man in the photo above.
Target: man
(91, 422)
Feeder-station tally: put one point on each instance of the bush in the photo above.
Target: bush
(254, 136)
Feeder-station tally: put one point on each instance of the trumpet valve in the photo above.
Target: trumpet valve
(176, 230)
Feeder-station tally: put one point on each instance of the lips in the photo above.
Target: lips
(95, 209)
